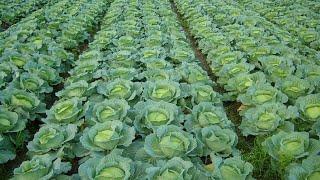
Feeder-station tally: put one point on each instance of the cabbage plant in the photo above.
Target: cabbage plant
(107, 110)
(205, 114)
(168, 91)
(150, 115)
(7, 149)
(65, 111)
(120, 88)
(284, 147)
(41, 167)
(308, 169)
(113, 166)
(10, 121)
(175, 168)
(294, 87)
(20, 99)
(262, 93)
(239, 84)
(266, 118)
(51, 137)
(107, 136)
(214, 139)
(232, 169)
(193, 73)
(309, 107)
(229, 71)
(76, 89)
(169, 141)
(203, 93)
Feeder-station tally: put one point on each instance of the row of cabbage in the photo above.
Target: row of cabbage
(12, 11)
(33, 61)
(262, 28)
(296, 17)
(277, 86)
(137, 105)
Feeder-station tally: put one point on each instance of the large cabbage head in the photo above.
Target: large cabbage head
(203, 93)
(169, 141)
(277, 67)
(107, 136)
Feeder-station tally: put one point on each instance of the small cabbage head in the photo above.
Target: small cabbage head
(112, 166)
(229, 71)
(76, 89)
(169, 141)
(193, 73)
(151, 114)
(48, 74)
(203, 93)
(239, 84)
(173, 169)
(107, 136)
(232, 168)
(33, 83)
(41, 167)
(226, 58)
(309, 107)
(119, 73)
(20, 99)
(10, 121)
(65, 111)
(108, 110)
(216, 140)
(168, 91)
(205, 114)
(160, 74)
(51, 137)
(120, 88)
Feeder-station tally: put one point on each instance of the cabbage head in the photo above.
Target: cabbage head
(169, 141)
(107, 136)
(51, 137)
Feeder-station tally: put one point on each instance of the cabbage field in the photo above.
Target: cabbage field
(160, 89)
